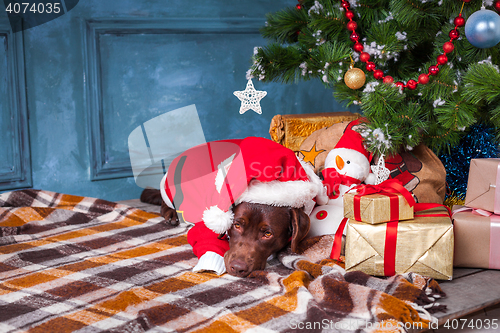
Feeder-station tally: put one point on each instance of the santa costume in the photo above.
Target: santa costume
(204, 183)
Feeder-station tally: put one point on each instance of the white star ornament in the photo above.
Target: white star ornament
(250, 98)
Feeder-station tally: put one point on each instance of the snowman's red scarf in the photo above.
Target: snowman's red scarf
(333, 179)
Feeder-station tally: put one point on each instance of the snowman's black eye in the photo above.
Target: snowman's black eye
(348, 162)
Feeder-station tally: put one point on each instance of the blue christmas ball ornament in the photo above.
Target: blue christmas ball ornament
(483, 29)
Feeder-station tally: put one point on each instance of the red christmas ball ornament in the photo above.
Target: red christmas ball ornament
(466, 0)
(378, 74)
(346, 5)
(351, 25)
(497, 5)
(298, 6)
(454, 34)
(349, 14)
(423, 78)
(411, 84)
(433, 70)
(442, 59)
(400, 84)
(364, 56)
(459, 21)
(354, 36)
(370, 66)
(358, 47)
(448, 47)
(388, 79)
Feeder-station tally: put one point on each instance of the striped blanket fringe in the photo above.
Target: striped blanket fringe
(80, 264)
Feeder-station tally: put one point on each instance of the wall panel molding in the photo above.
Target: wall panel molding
(102, 164)
(18, 174)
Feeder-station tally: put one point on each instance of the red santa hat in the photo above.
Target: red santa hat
(204, 182)
(352, 140)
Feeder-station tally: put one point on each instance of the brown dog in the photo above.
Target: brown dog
(258, 231)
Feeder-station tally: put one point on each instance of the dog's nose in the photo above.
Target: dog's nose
(238, 268)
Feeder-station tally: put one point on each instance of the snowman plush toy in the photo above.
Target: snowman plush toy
(346, 166)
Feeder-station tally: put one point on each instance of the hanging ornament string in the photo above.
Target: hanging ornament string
(378, 74)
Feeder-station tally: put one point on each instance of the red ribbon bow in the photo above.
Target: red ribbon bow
(388, 186)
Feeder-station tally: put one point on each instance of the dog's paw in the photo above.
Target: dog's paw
(169, 214)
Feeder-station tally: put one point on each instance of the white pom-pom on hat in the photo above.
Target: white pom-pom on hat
(218, 220)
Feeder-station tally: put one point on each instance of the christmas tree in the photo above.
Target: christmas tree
(425, 81)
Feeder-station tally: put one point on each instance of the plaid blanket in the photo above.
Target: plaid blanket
(70, 263)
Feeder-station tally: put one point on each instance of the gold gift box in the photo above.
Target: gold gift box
(376, 208)
(424, 246)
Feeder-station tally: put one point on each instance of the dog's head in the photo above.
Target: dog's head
(260, 230)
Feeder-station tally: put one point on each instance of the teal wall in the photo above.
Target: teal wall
(72, 89)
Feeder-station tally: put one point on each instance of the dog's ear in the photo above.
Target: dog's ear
(300, 226)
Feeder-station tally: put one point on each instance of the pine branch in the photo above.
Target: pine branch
(423, 16)
(482, 82)
(346, 95)
(440, 86)
(382, 101)
(282, 27)
(278, 63)
(439, 138)
(495, 119)
(387, 112)
(456, 114)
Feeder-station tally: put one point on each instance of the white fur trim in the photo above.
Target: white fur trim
(296, 194)
(276, 193)
(218, 220)
(223, 170)
(211, 261)
(164, 195)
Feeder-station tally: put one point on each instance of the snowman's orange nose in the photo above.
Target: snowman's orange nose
(340, 162)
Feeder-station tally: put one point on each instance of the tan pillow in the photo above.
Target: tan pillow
(420, 170)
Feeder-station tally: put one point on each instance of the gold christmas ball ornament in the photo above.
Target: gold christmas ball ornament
(354, 78)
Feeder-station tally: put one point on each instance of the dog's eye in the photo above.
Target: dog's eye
(268, 234)
(236, 225)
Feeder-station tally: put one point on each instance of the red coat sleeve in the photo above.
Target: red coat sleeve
(203, 240)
